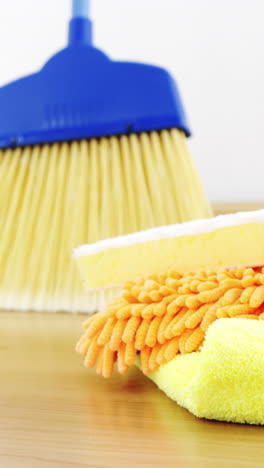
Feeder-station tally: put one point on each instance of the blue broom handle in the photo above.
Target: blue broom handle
(80, 32)
(81, 8)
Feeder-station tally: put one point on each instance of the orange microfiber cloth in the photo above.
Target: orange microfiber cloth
(164, 315)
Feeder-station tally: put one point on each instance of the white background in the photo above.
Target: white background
(215, 49)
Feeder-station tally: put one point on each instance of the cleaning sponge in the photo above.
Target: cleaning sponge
(228, 240)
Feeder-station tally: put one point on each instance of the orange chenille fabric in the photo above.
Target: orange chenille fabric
(161, 316)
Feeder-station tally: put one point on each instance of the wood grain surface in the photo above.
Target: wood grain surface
(222, 208)
(55, 413)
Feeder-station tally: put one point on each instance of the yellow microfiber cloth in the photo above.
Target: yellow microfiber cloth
(225, 380)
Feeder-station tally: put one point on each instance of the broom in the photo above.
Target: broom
(89, 149)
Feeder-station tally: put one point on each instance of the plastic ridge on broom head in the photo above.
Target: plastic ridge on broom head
(81, 93)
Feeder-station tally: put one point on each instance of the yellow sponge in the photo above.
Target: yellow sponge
(236, 239)
(225, 381)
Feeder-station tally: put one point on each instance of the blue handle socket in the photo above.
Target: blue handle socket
(80, 32)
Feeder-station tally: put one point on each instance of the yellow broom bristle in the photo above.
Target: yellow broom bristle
(177, 323)
(56, 197)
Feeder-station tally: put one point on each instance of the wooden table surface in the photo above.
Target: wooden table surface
(55, 413)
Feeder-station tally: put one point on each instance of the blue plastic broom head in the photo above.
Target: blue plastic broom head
(81, 93)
